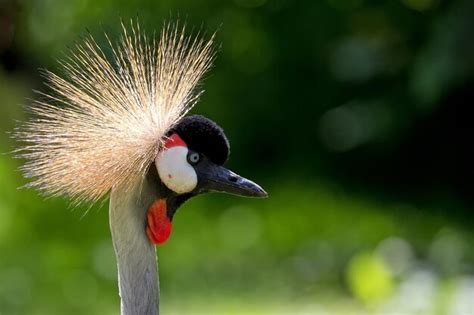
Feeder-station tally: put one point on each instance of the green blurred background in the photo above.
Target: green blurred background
(355, 115)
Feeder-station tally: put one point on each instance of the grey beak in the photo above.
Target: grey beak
(219, 178)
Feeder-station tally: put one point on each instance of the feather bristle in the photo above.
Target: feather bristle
(104, 121)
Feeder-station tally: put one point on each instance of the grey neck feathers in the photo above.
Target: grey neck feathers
(136, 256)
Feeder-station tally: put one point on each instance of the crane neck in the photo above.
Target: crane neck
(136, 256)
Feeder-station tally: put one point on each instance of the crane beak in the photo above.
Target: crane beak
(218, 178)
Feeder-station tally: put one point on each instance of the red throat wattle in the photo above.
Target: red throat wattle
(158, 224)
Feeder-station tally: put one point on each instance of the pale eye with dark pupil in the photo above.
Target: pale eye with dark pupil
(193, 158)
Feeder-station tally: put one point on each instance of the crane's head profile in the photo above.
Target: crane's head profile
(190, 163)
(121, 123)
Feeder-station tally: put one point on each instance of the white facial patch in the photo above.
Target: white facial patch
(175, 171)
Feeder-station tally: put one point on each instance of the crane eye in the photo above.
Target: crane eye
(193, 157)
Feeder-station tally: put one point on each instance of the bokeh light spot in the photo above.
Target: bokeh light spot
(369, 278)
(345, 127)
(463, 301)
(448, 250)
(397, 254)
(356, 60)
(415, 295)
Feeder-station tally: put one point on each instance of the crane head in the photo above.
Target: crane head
(191, 163)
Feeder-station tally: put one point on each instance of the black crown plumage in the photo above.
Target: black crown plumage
(204, 136)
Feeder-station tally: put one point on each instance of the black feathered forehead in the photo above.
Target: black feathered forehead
(204, 136)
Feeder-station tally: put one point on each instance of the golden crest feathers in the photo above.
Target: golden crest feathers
(103, 123)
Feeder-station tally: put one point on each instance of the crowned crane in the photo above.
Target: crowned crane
(117, 126)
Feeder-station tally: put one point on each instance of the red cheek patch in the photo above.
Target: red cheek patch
(159, 225)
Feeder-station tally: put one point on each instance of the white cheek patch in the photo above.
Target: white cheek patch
(175, 171)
